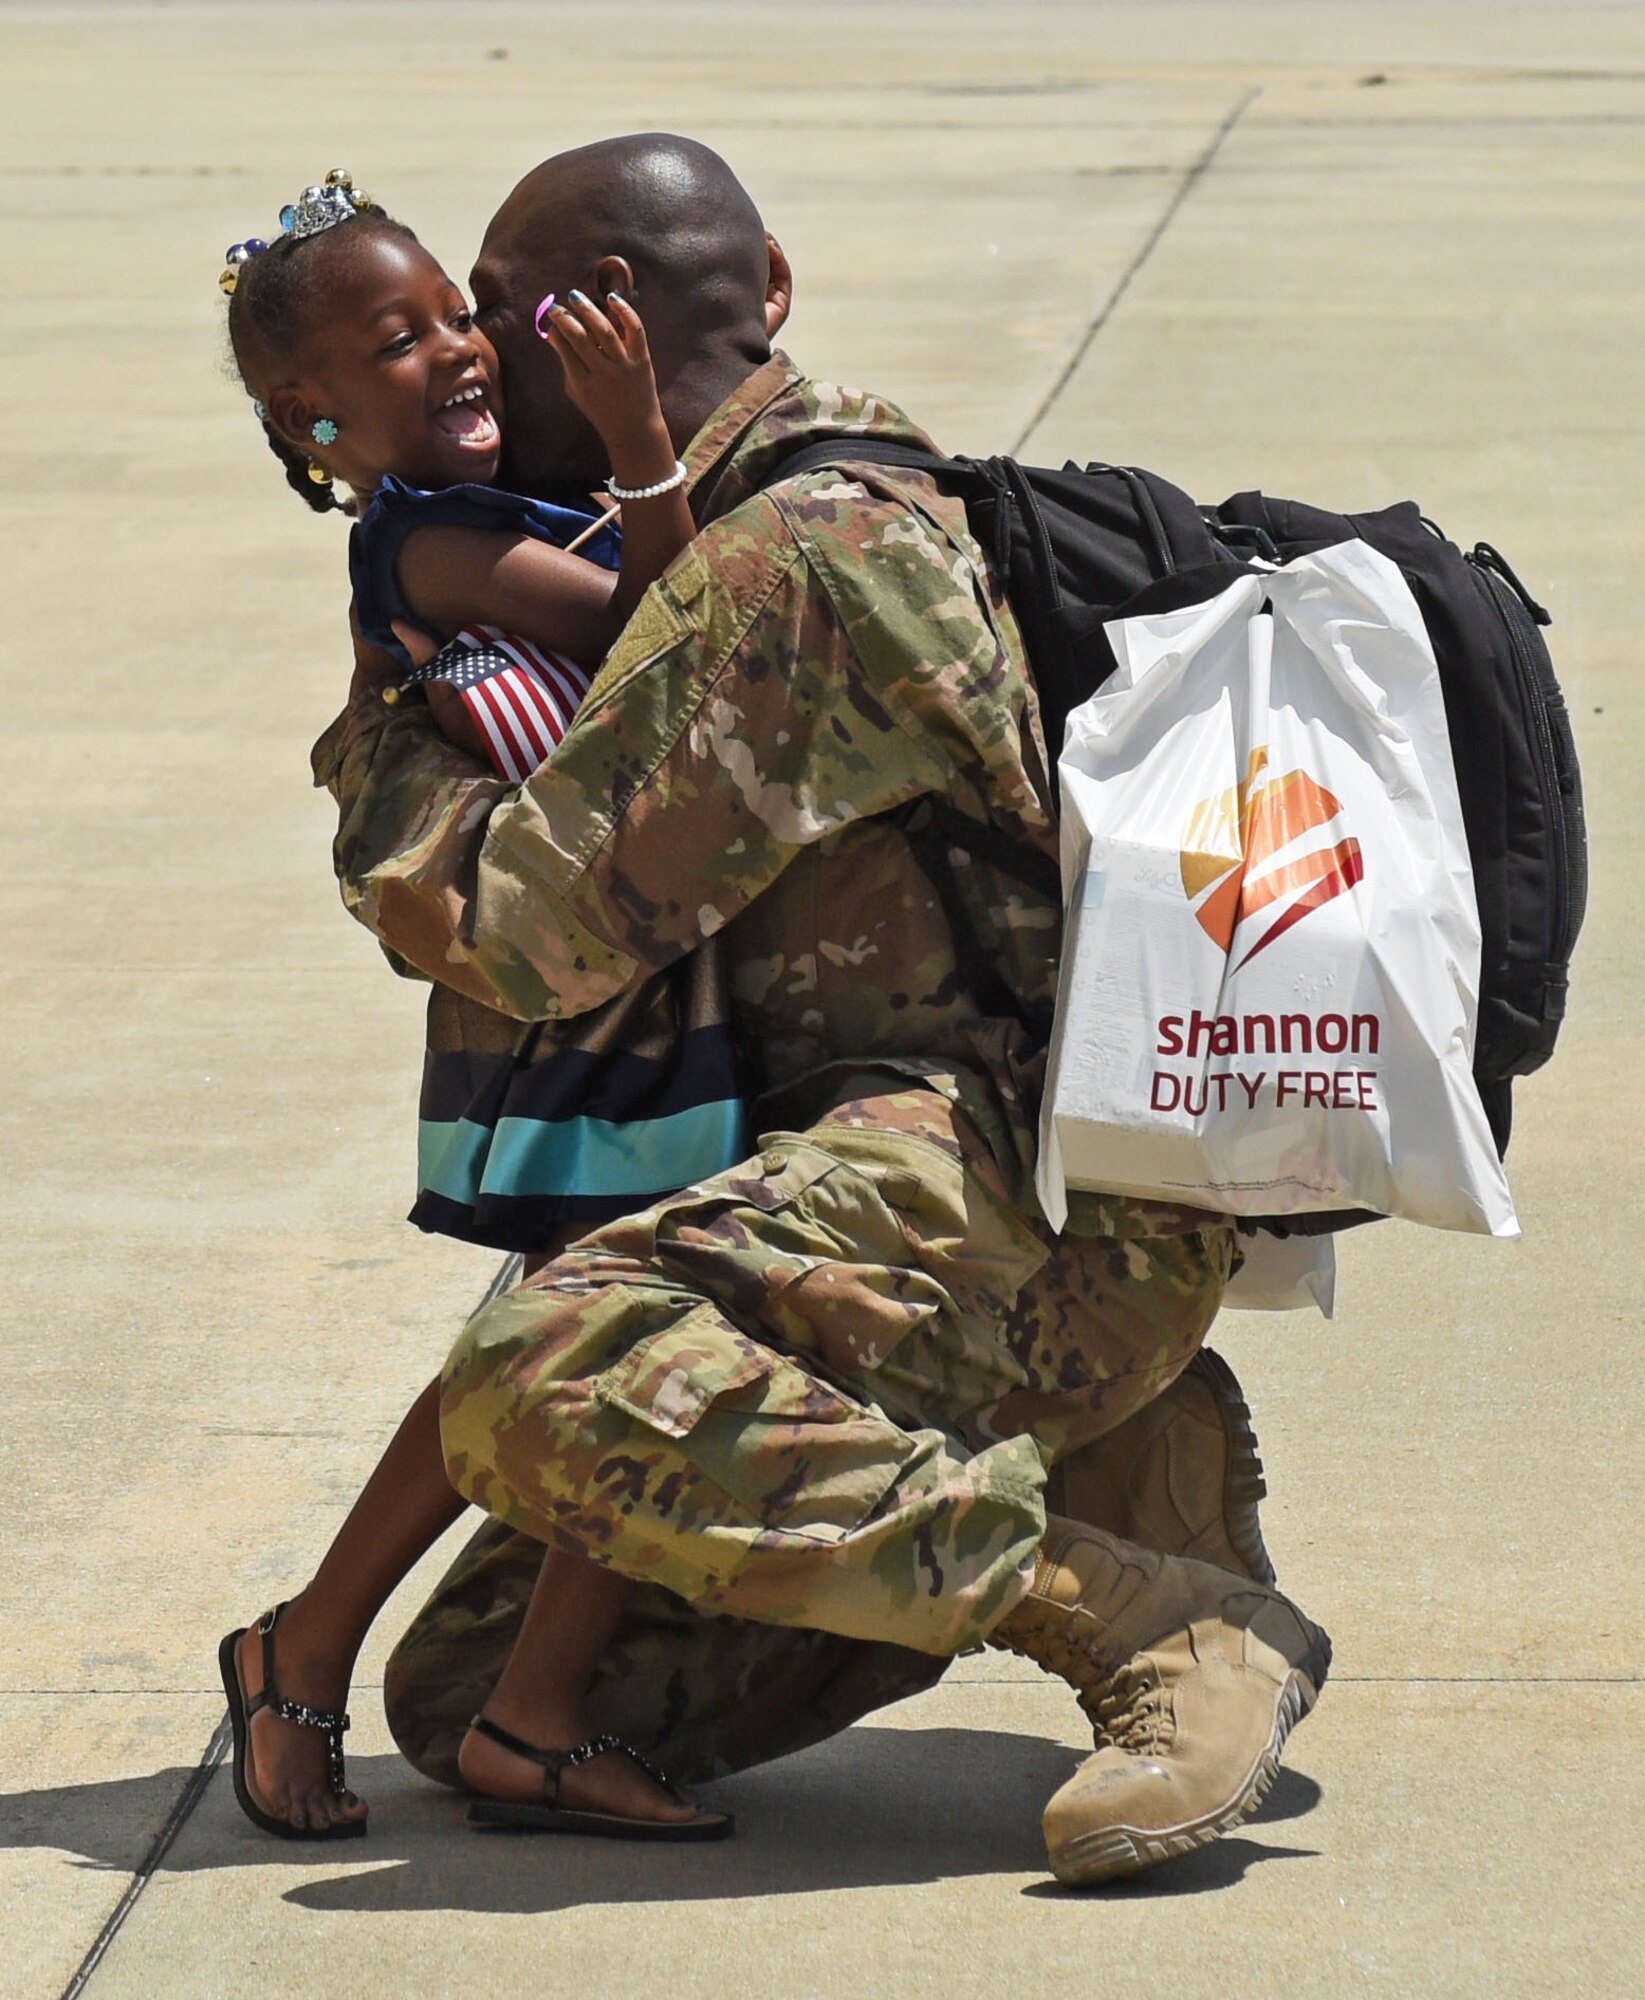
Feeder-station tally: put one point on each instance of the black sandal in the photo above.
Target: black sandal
(552, 1817)
(242, 1708)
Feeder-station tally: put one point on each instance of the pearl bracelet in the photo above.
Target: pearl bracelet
(677, 478)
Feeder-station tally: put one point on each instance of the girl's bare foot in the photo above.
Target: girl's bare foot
(286, 1766)
(609, 1783)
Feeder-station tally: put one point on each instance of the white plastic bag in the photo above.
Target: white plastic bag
(1271, 957)
(1284, 1274)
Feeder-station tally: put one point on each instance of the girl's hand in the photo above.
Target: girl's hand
(373, 671)
(445, 704)
(608, 376)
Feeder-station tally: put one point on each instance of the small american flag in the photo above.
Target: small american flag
(522, 697)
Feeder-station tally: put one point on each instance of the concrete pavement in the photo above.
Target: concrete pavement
(1348, 251)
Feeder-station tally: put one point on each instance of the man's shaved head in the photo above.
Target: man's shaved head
(662, 220)
(673, 210)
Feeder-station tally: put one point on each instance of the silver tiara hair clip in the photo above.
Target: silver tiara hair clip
(316, 209)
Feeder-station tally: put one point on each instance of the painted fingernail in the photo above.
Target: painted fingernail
(614, 298)
(582, 298)
(543, 310)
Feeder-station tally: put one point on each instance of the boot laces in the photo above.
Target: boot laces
(1128, 1707)
(1051, 1644)
(1132, 1710)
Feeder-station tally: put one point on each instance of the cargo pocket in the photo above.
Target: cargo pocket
(803, 1247)
(958, 1230)
(795, 1454)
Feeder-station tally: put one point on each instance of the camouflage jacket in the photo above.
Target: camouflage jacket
(824, 652)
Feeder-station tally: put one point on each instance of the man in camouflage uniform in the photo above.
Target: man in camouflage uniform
(818, 1397)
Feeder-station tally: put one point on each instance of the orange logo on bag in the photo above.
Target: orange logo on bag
(1228, 851)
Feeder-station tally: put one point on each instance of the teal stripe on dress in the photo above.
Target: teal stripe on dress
(451, 1157)
(580, 1156)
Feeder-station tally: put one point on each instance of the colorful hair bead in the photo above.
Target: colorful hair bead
(236, 255)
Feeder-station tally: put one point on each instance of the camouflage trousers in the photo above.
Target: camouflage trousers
(810, 1405)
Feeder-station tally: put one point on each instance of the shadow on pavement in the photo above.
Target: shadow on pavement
(1218, 1866)
(874, 1807)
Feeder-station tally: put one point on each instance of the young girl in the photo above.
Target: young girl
(366, 368)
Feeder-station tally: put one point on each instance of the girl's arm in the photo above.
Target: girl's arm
(453, 577)
(457, 576)
(608, 376)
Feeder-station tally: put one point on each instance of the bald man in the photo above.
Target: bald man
(820, 1397)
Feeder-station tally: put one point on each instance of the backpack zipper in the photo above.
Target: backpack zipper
(1148, 514)
(1558, 783)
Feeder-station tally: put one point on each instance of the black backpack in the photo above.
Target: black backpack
(1078, 548)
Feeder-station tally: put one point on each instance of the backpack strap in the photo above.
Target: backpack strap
(974, 479)
(844, 451)
(932, 827)
(933, 830)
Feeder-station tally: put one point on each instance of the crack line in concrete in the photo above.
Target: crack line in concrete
(506, 1275)
(1191, 180)
(124, 1694)
(1488, 1680)
(1370, 1680)
(187, 1800)
(1486, 120)
(953, 1680)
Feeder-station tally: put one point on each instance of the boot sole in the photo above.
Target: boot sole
(1115, 1851)
(1243, 1484)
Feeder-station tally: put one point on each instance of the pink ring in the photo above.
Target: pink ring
(543, 311)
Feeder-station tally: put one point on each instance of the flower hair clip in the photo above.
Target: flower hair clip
(315, 209)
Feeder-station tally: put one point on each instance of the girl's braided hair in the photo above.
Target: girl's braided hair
(270, 313)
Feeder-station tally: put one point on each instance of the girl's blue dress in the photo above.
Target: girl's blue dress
(375, 540)
(527, 1127)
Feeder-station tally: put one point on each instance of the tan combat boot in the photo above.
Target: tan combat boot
(1192, 1679)
(1182, 1475)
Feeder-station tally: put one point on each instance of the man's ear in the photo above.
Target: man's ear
(779, 287)
(291, 417)
(613, 274)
